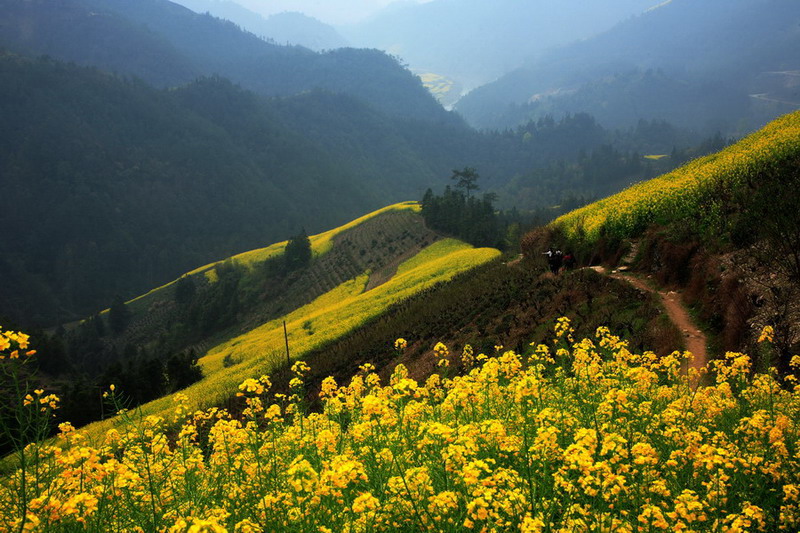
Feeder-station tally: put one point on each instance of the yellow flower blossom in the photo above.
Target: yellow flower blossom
(767, 333)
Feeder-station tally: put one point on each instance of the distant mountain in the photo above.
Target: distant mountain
(167, 44)
(475, 41)
(283, 28)
(683, 61)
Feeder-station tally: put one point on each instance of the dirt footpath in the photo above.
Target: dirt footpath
(676, 310)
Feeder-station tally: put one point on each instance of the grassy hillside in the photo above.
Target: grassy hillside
(499, 305)
(261, 289)
(324, 301)
(725, 229)
(320, 245)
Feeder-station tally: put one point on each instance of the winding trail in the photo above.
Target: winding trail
(696, 341)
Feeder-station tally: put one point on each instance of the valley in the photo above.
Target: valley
(497, 267)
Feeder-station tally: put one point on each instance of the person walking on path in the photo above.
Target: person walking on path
(554, 259)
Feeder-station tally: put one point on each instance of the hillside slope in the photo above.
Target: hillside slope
(707, 195)
(121, 186)
(330, 314)
(376, 243)
(233, 316)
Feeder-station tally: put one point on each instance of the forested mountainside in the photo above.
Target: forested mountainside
(682, 61)
(120, 187)
(167, 44)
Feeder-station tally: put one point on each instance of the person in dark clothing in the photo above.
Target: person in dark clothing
(558, 260)
(554, 259)
(569, 261)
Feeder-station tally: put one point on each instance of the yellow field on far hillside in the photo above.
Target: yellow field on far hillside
(328, 317)
(320, 244)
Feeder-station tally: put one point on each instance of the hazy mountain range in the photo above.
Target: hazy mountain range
(696, 64)
(167, 44)
(475, 41)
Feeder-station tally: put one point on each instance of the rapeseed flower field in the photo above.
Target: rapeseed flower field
(573, 435)
(695, 194)
(320, 245)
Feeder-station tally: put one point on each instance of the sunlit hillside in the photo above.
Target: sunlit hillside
(320, 245)
(699, 195)
(724, 230)
(260, 347)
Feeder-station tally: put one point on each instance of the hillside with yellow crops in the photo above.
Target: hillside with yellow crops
(724, 230)
(570, 435)
(558, 433)
(356, 273)
(697, 195)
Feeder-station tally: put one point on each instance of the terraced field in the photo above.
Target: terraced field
(328, 299)
(376, 243)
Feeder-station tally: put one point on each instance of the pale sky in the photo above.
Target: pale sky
(330, 11)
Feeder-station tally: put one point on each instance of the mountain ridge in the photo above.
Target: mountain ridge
(282, 28)
(474, 42)
(203, 45)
